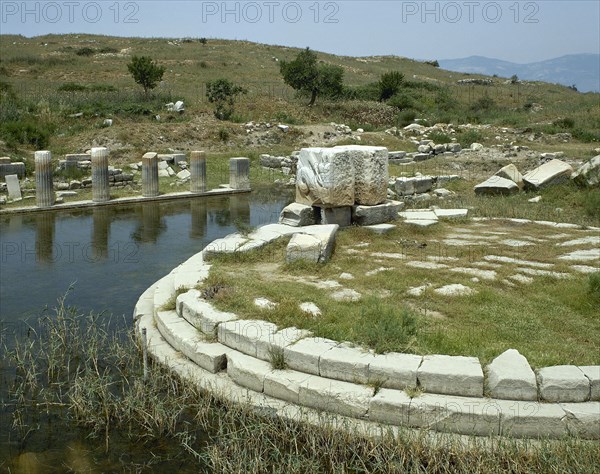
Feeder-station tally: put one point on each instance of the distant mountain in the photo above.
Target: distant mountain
(582, 70)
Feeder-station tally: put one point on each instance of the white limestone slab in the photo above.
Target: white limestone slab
(582, 419)
(247, 371)
(343, 362)
(200, 313)
(304, 355)
(268, 341)
(395, 370)
(563, 383)
(585, 269)
(285, 384)
(537, 272)
(390, 407)
(334, 396)
(528, 419)
(451, 375)
(243, 334)
(464, 415)
(510, 377)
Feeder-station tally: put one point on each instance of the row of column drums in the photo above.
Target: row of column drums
(239, 175)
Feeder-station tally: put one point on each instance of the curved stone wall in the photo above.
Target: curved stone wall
(458, 395)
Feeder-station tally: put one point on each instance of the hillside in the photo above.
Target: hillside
(581, 70)
(65, 86)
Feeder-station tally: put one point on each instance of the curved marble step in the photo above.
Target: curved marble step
(462, 415)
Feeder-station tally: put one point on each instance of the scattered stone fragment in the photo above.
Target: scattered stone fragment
(377, 270)
(264, 303)
(418, 290)
(297, 215)
(511, 172)
(589, 173)
(585, 269)
(535, 271)
(485, 274)
(380, 228)
(553, 172)
(376, 214)
(590, 254)
(592, 239)
(529, 263)
(346, 295)
(426, 265)
(496, 185)
(451, 213)
(455, 289)
(310, 308)
(535, 199)
(521, 279)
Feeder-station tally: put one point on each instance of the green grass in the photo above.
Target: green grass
(530, 318)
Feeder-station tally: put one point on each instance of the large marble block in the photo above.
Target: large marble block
(370, 173)
(325, 177)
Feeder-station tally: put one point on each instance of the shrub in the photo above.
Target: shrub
(483, 104)
(468, 137)
(406, 117)
(223, 134)
(389, 84)
(439, 137)
(71, 87)
(222, 93)
(26, 132)
(85, 51)
(402, 101)
(566, 122)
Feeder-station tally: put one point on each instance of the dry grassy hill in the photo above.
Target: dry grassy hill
(41, 78)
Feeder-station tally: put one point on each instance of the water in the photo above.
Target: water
(110, 255)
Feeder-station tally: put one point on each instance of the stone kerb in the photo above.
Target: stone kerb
(312, 360)
(450, 375)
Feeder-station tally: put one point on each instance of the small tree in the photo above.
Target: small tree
(389, 84)
(305, 75)
(145, 72)
(223, 92)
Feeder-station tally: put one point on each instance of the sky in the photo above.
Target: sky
(517, 31)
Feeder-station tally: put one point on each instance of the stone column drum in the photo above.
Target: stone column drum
(239, 173)
(44, 192)
(150, 174)
(100, 186)
(198, 171)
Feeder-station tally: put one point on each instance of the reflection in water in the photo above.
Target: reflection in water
(218, 211)
(44, 236)
(198, 210)
(151, 225)
(239, 209)
(100, 232)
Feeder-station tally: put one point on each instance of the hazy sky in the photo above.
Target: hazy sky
(519, 31)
